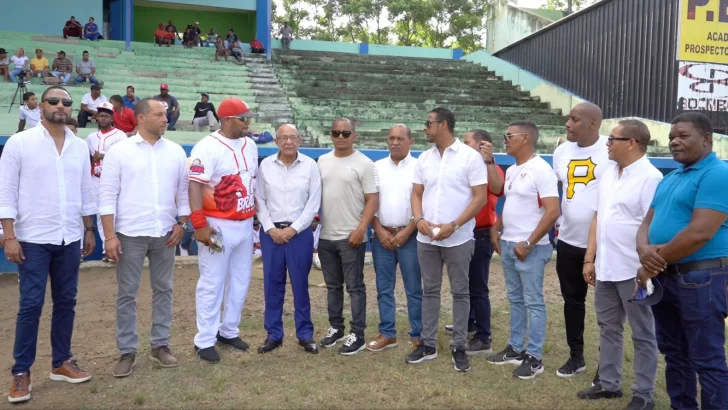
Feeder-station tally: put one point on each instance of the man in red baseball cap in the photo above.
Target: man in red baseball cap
(222, 169)
(170, 103)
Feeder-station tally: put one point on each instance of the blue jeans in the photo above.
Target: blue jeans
(172, 117)
(479, 292)
(13, 75)
(81, 79)
(64, 77)
(60, 263)
(385, 266)
(690, 330)
(524, 287)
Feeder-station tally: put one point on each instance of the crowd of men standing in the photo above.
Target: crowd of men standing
(654, 248)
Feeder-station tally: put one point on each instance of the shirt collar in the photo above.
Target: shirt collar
(403, 161)
(455, 146)
(700, 164)
(278, 160)
(635, 166)
(137, 138)
(68, 134)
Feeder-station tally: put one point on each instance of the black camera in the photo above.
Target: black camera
(21, 77)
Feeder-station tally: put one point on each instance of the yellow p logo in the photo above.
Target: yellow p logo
(585, 168)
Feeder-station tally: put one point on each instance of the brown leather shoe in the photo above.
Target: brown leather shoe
(125, 365)
(381, 343)
(164, 357)
(415, 344)
(70, 372)
(20, 389)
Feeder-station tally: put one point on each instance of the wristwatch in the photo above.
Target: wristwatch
(528, 244)
(90, 229)
(455, 226)
(183, 225)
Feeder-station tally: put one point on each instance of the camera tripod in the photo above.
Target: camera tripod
(21, 89)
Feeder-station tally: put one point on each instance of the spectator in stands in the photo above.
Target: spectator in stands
(316, 229)
(91, 30)
(39, 65)
(89, 103)
(256, 46)
(231, 39)
(170, 104)
(62, 68)
(211, 37)
(29, 112)
(86, 70)
(286, 34)
(4, 64)
(130, 100)
(124, 119)
(198, 32)
(72, 125)
(220, 49)
(189, 39)
(256, 237)
(73, 28)
(162, 36)
(205, 114)
(237, 52)
(21, 66)
(172, 29)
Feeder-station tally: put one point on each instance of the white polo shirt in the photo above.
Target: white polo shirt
(448, 182)
(525, 186)
(395, 190)
(31, 117)
(145, 186)
(91, 103)
(622, 204)
(579, 169)
(47, 194)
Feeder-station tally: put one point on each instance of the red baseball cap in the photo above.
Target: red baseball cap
(235, 107)
(164, 86)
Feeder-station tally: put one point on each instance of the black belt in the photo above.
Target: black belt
(687, 267)
(282, 225)
(482, 228)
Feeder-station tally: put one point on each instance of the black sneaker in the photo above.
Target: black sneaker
(208, 354)
(333, 336)
(638, 403)
(571, 368)
(460, 359)
(235, 342)
(309, 346)
(477, 347)
(529, 368)
(597, 392)
(596, 380)
(507, 356)
(421, 354)
(353, 345)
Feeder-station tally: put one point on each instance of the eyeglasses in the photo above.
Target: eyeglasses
(287, 138)
(243, 119)
(337, 134)
(67, 102)
(610, 140)
(430, 122)
(507, 137)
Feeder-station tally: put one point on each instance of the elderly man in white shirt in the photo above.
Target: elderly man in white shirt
(625, 193)
(288, 196)
(395, 240)
(450, 187)
(46, 208)
(142, 193)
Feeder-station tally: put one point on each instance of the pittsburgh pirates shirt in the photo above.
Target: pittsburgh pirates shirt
(226, 168)
(579, 169)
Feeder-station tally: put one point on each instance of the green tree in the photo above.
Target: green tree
(562, 5)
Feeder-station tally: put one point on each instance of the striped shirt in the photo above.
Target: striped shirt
(64, 66)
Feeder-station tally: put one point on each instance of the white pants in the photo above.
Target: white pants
(96, 182)
(209, 120)
(224, 282)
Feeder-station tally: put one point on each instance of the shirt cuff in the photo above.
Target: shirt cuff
(8, 213)
(479, 182)
(297, 225)
(267, 225)
(107, 210)
(183, 210)
(88, 210)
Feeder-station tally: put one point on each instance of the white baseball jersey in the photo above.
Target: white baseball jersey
(226, 167)
(100, 142)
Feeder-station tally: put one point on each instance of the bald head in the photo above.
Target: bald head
(589, 110)
(405, 129)
(287, 129)
(583, 124)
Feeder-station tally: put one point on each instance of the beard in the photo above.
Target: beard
(55, 117)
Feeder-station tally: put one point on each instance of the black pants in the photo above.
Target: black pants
(569, 267)
(479, 293)
(83, 118)
(256, 50)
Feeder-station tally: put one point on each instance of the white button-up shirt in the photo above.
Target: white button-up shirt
(395, 190)
(145, 186)
(288, 194)
(622, 205)
(448, 182)
(47, 194)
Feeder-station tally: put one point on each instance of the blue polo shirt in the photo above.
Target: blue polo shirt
(130, 103)
(703, 185)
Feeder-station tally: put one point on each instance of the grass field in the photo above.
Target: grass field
(288, 377)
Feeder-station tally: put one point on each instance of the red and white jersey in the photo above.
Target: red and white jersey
(100, 141)
(227, 168)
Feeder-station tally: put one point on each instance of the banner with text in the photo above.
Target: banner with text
(703, 31)
(702, 87)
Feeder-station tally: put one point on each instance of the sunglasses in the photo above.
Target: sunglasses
(241, 118)
(430, 122)
(67, 102)
(507, 137)
(337, 133)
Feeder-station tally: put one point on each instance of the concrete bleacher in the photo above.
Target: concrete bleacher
(187, 71)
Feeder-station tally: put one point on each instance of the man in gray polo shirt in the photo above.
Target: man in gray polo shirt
(349, 201)
(86, 70)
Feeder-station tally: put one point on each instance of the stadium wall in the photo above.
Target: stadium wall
(146, 20)
(49, 17)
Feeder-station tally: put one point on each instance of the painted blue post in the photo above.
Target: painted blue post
(457, 54)
(128, 5)
(363, 48)
(263, 20)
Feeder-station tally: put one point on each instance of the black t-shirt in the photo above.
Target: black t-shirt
(201, 110)
(232, 38)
